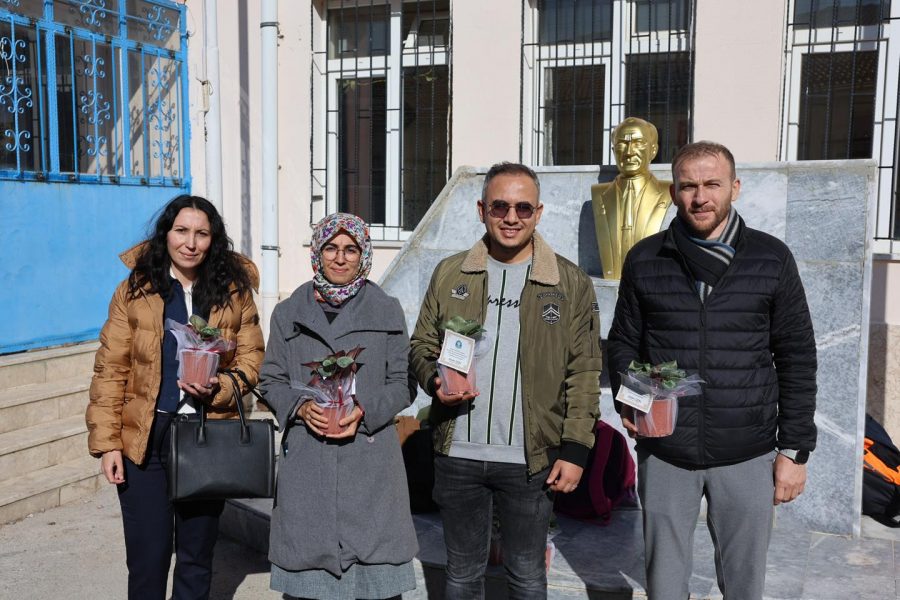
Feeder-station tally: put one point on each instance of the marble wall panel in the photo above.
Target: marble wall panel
(439, 230)
(826, 218)
(834, 298)
(763, 199)
(607, 294)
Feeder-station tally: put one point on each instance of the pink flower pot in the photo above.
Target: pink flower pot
(455, 382)
(338, 404)
(198, 366)
(334, 414)
(659, 421)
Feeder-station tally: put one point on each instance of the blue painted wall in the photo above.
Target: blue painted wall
(59, 245)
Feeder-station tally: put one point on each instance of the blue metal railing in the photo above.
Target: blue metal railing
(68, 70)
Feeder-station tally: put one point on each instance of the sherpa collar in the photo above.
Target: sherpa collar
(544, 269)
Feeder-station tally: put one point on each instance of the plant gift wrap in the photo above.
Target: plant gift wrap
(464, 341)
(199, 347)
(651, 393)
(333, 385)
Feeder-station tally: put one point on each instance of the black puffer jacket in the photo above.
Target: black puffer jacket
(752, 342)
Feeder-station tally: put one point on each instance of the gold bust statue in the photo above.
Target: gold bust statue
(633, 205)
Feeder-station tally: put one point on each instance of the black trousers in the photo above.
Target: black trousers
(151, 523)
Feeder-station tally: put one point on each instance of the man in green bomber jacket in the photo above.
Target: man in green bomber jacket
(527, 429)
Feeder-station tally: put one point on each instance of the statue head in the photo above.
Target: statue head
(635, 143)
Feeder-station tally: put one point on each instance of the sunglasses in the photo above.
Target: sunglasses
(499, 209)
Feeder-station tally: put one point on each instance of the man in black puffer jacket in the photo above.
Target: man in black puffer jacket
(724, 301)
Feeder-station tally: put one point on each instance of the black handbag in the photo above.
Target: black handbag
(215, 459)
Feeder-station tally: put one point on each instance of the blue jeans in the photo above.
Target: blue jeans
(465, 490)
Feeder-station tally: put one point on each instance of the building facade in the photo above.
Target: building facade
(93, 138)
(379, 101)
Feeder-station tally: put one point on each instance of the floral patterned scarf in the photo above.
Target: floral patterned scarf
(323, 232)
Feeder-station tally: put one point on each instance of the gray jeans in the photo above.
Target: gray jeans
(739, 515)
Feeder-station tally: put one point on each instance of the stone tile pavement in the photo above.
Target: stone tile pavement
(77, 551)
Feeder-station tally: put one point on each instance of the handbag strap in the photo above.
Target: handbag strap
(238, 400)
(250, 388)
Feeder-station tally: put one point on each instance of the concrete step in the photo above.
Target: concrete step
(36, 403)
(49, 487)
(42, 366)
(40, 446)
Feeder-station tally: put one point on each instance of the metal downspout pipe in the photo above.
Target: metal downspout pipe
(213, 117)
(270, 250)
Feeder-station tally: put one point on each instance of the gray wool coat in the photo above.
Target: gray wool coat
(340, 503)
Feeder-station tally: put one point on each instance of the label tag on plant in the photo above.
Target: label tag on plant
(634, 399)
(457, 351)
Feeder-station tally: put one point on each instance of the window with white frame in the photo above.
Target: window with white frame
(841, 92)
(595, 62)
(93, 91)
(381, 94)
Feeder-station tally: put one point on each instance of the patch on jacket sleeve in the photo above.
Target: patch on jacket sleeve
(553, 294)
(595, 307)
(550, 313)
(460, 292)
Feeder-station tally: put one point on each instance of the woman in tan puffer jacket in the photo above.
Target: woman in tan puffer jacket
(186, 267)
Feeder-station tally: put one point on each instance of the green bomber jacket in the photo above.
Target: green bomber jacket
(559, 349)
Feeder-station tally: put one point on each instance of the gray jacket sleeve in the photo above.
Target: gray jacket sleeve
(398, 390)
(274, 377)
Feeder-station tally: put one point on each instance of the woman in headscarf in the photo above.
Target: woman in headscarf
(341, 526)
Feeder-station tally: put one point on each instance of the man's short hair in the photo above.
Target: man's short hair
(702, 148)
(509, 168)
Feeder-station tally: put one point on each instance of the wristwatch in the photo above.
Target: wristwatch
(798, 456)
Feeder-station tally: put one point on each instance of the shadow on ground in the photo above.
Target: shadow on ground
(232, 565)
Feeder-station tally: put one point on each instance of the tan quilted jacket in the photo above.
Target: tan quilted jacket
(128, 365)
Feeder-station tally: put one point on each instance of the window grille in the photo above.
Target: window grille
(659, 90)
(837, 106)
(595, 62)
(381, 97)
(841, 92)
(93, 91)
(825, 14)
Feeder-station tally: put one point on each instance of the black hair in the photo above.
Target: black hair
(509, 168)
(215, 275)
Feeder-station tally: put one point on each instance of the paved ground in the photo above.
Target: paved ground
(76, 551)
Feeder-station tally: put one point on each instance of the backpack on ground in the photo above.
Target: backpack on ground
(608, 478)
(881, 475)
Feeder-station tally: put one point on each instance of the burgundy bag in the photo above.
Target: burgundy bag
(608, 478)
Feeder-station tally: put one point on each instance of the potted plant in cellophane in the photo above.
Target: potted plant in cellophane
(651, 393)
(199, 349)
(333, 386)
(464, 340)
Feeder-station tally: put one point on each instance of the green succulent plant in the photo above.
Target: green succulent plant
(202, 328)
(666, 375)
(335, 366)
(466, 327)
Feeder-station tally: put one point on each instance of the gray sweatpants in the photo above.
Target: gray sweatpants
(739, 515)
